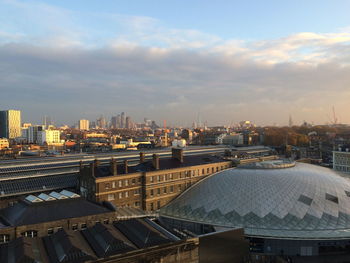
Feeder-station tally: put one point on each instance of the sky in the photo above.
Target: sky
(226, 61)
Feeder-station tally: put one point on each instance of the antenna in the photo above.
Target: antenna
(335, 119)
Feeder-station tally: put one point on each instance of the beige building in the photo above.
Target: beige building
(4, 143)
(84, 125)
(10, 124)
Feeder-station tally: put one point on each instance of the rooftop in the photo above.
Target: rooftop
(97, 242)
(164, 164)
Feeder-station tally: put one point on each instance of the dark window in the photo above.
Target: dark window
(75, 227)
(158, 191)
(106, 221)
(165, 190)
(133, 181)
(332, 198)
(50, 231)
(83, 226)
(4, 238)
(158, 204)
(304, 199)
(347, 193)
(151, 192)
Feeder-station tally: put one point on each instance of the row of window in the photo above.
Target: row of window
(121, 195)
(122, 183)
(189, 173)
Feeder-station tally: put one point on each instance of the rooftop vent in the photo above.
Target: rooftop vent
(33, 199)
(69, 194)
(46, 197)
(58, 195)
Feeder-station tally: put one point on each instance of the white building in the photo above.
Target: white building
(84, 125)
(49, 137)
(341, 160)
(10, 124)
(179, 143)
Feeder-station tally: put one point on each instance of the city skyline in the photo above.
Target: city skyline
(234, 62)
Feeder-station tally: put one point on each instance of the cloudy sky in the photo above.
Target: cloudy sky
(227, 60)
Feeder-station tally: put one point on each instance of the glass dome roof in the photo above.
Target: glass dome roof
(290, 201)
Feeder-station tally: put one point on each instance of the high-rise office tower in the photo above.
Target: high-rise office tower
(114, 122)
(128, 122)
(122, 121)
(84, 125)
(119, 121)
(10, 124)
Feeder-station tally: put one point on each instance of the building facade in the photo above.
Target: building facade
(10, 124)
(84, 125)
(49, 137)
(150, 184)
(341, 160)
(4, 143)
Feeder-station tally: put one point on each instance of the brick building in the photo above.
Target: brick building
(148, 185)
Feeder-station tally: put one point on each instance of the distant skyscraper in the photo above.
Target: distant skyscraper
(114, 122)
(128, 122)
(122, 121)
(119, 121)
(290, 122)
(101, 122)
(84, 125)
(10, 124)
(47, 121)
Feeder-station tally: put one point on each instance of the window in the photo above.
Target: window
(171, 188)
(110, 197)
(59, 228)
(137, 204)
(113, 184)
(126, 182)
(107, 186)
(212, 170)
(180, 187)
(120, 183)
(208, 170)
(165, 190)
(151, 179)
(30, 233)
(332, 198)
(158, 191)
(171, 176)
(151, 206)
(151, 192)
(126, 194)
(158, 204)
(75, 227)
(83, 226)
(120, 195)
(106, 221)
(217, 169)
(50, 231)
(203, 171)
(137, 192)
(158, 178)
(133, 181)
(4, 238)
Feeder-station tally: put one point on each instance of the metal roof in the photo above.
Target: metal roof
(303, 201)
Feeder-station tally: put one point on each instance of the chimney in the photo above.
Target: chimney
(155, 161)
(113, 167)
(92, 169)
(126, 166)
(142, 157)
(177, 154)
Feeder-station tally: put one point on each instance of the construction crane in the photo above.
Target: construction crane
(334, 119)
